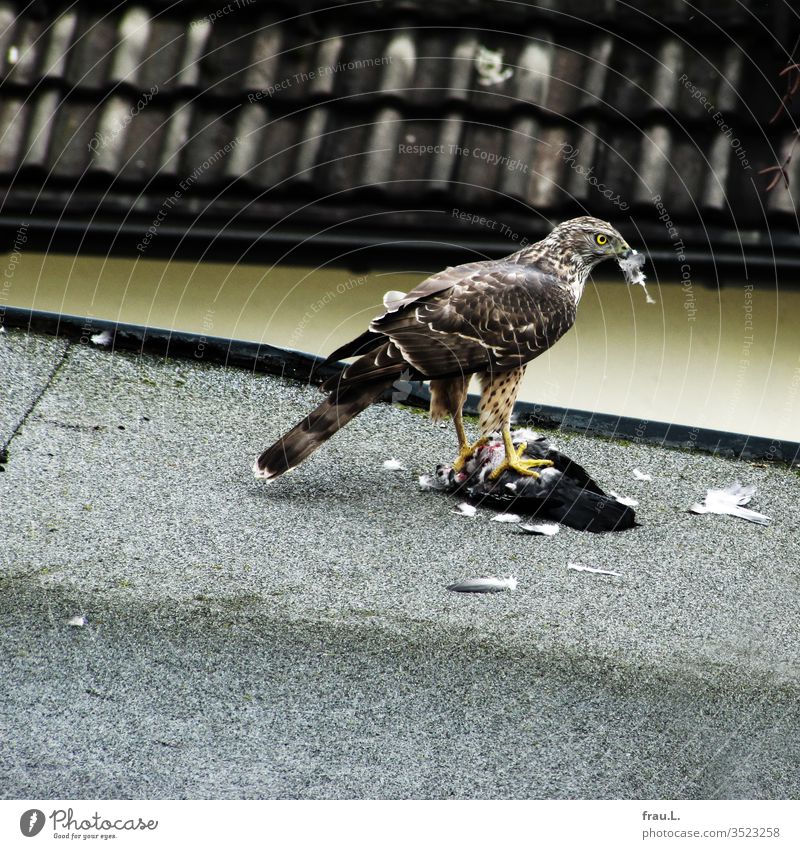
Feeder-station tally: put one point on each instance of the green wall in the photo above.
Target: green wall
(726, 359)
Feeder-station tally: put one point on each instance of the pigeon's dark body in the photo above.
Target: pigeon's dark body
(564, 492)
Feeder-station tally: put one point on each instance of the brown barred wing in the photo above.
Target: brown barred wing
(499, 316)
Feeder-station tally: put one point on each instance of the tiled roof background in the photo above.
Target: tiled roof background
(103, 113)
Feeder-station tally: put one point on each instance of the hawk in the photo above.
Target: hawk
(488, 319)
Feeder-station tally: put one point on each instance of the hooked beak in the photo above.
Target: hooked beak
(624, 251)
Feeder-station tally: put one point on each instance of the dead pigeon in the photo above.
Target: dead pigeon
(563, 492)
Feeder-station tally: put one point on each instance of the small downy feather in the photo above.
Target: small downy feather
(507, 517)
(102, 339)
(392, 300)
(632, 269)
(731, 501)
(427, 483)
(595, 570)
(545, 529)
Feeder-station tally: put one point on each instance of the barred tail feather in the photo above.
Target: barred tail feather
(317, 427)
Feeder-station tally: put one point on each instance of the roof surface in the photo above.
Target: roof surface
(297, 640)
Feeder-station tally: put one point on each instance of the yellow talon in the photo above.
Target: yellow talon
(513, 461)
(466, 451)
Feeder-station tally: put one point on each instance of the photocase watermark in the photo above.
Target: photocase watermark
(66, 825)
(222, 12)
(640, 437)
(316, 74)
(11, 267)
(748, 339)
(402, 388)
(87, 329)
(185, 184)
(16, 252)
(32, 822)
(718, 118)
(680, 254)
(101, 139)
(488, 156)
(491, 224)
(570, 155)
(207, 326)
(321, 303)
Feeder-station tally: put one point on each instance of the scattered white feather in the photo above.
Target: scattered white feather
(546, 529)
(506, 517)
(103, 338)
(641, 476)
(632, 269)
(484, 585)
(511, 486)
(393, 465)
(730, 502)
(524, 434)
(13, 54)
(78, 621)
(628, 502)
(426, 483)
(465, 509)
(596, 570)
(2, 328)
(392, 300)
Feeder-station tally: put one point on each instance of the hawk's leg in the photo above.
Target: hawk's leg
(465, 450)
(447, 398)
(500, 390)
(514, 461)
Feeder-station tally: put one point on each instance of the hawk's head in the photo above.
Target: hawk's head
(588, 239)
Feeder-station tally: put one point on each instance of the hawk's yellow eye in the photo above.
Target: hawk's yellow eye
(600, 239)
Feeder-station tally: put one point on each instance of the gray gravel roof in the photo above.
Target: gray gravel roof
(297, 640)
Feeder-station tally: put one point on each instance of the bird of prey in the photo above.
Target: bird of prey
(486, 318)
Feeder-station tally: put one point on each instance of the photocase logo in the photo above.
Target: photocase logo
(31, 822)
(64, 821)
(402, 387)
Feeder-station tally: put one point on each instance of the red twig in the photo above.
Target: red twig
(792, 74)
(780, 172)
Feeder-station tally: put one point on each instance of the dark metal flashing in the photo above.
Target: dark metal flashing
(298, 365)
(760, 262)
